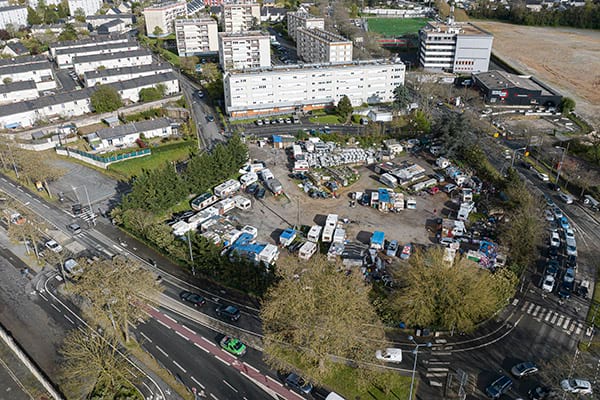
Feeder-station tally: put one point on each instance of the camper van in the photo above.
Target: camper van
(314, 233)
(248, 179)
(242, 202)
(307, 250)
(328, 234)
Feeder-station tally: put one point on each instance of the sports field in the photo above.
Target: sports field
(393, 27)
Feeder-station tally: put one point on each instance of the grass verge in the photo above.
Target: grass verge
(325, 119)
(393, 27)
(343, 381)
(167, 153)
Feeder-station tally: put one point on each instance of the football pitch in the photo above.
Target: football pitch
(392, 27)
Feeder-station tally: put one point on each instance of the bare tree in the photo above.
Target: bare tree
(34, 167)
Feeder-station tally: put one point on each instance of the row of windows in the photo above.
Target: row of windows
(465, 62)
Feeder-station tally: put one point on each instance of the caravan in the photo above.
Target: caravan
(314, 233)
(307, 250)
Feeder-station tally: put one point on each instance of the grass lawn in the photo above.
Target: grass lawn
(393, 27)
(325, 119)
(166, 153)
(344, 381)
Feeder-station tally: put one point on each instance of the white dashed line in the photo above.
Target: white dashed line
(180, 367)
(162, 351)
(188, 329)
(209, 342)
(229, 386)
(273, 380)
(197, 383)
(251, 367)
(202, 348)
(69, 319)
(11, 184)
(146, 337)
(163, 324)
(56, 308)
(214, 397)
(45, 205)
(223, 361)
(42, 296)
(171, 318)
(20, 190)
(182, 335)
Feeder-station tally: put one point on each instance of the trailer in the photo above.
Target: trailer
(377, 240)
(307, 250)
(411, 203)
(227, 188)
(241, 202)
(296, 151)
(225, 205)
(314, 233)
(331, 221)
(203, 201)
(248, 179)
(389, 180)
(328, 232)
(339, 235)
(287, 237)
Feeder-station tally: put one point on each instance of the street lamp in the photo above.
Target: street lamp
(415, 353)
(514, 155)
(562, 158)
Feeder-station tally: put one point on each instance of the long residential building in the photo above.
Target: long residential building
(315, 45)
(18, 91)
(457, 47)
(89, 7)
(92, 41)
(244, 50)
(306, 87)
(240, 17)
(163, 16)
(198, 36)
(64, 57)
(84, 64)
(76, 103)
(15, 16)
(39, 72)
(302, 19)
(105, 76)
(97, 20)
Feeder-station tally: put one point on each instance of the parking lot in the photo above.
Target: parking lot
(297, 208)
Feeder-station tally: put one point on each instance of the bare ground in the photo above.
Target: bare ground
(565, 58)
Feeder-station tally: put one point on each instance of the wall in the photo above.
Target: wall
(98, 161)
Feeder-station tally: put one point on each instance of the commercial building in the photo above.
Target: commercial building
(240, 17)
(105, 76)
(198, 36)
(506, 89)
(83, 64)
(127, 135)
(305, 87)
(39, 72)
(72, 104)
(160, 17)
(315, 45)
(244, 50)
(64, 57)
(18, 91)
(302, 19)
(16, 16)
(89, 7)
(457, 47)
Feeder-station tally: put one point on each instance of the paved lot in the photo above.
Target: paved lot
(273, 214)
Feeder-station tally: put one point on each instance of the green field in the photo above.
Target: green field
(165, 153)
(393, 27)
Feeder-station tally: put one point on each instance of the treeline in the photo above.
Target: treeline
(585, 17)
(154, 193)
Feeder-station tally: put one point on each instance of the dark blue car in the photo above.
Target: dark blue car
(499, 387)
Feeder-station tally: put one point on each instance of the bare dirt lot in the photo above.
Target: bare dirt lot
(273, 214)
(567, 59)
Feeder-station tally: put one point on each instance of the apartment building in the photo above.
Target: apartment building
(105, 76)
(240, 17)
(244, 50)
(311, 86)
(73, 104)
(64, 57)
(16, 16)
(457, 47)
(18, 91)
(97, 20)
(38, 72)
(198, 36)
(163, 16)
(84, 64)
(91, 41)
(302, 19)
(89, 7)
(315, 45)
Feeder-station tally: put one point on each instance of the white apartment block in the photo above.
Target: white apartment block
(244, 50)
(240, 17)
(84, 64)
(163, 16)
(97, 20)
(64, 57)
(302, 19)
(89, 42)
(198, 36)
(13, 15)
(72, 104)
(306, 87)
(454, 47)
(39, 72)
(18, 91)
(105, 76)
(315, 45)
(89, 7)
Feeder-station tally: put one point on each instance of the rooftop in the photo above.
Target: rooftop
(14, 69)
(99, 47)
(461, 28)
(18, 47)
(126, 70)
(504, 80)
(23, 60)
(194, 21)
(136, 127)
(165, 6)
(241, 35)
(11, 8)
(17, 86)
(325, 35)
(111, 56)
(322, 66)
(90, 40)
(108, 16)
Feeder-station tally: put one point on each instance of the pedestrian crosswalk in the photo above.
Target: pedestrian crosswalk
(542, 314)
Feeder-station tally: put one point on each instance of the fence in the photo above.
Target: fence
(98, 161)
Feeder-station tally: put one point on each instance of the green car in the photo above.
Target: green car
(233, 346)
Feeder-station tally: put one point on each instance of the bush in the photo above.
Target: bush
(106, 99)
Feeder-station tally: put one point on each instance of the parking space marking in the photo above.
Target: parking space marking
(531, 306)
(536, 311)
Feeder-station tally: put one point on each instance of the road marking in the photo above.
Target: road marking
(530, 308)
(163, 324)
(548, 316)
(28, 195)
(223, 361)
(146, 337)
(180, 367)
(251, 367)
(198, 383)
(214, 397)
(147, 387)
(200, 347)
(515, 302)
(162, 351)
(209, 342)
(273, 380)
(45, 205)
(436, 375)
(56, 308)
(69, 319)
(229, 385)
(117, 247)
(42, 296)
(554, 318)
(188, 329)
(566, 324)
(20, 190)
(438, 369)
(171, 318)
(536, 311)
(182, 335)
(4, 179)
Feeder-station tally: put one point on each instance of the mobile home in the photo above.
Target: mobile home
(227, 188)
(307, 250)
(314, 233)
(388, 180)
(203, 201)
(331, 221)
(241, 202)
(328, 234)
(248, 179)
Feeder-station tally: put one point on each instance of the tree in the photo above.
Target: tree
(189, 63)
(34, 167)
(79, 15)
(117, 292)
(449, 295)
(402, 97)
(157, 31)
(567, 105)
(152, 93)
(93, 363)
(68, 33)
(106, 99)
(33, 18)
(316, 311)
(344, 108)
(421, 121)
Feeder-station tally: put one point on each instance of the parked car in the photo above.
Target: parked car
(230, 312)
(569, 234)
(447, 242)
(571, 248)
(541, 393)
(548, 215)
(565, 289)
(210, 118)
(195, 299)
(233, 346)
(553, 253)
(571, 262)
(554, 239)
(499, 387)
(260, 193)
(579, 386)
(552, 268)
(557, 213)
(389, 355)
(567, 198)
(554, 187)
(542, 176)
(298, 384)
(524, 369)
(449, 188)
(564, 223)
(569, 275)
(392, 248)
(548, 283)
(54, 246)
(406, 252)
